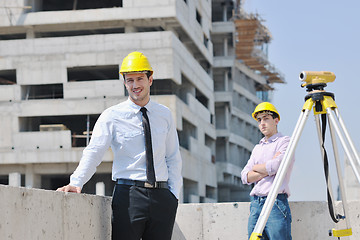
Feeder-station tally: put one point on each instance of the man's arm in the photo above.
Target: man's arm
(273, 165)
(173, 160)
(259, 171)
(248, 168)
(261, 168)
(253, 176)
(92, 155)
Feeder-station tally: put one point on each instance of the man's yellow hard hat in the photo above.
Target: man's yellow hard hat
(135, 62)
(264, 106)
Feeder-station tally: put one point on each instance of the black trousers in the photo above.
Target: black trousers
(142, 213)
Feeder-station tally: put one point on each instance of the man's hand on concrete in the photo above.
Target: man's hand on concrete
(69, 188)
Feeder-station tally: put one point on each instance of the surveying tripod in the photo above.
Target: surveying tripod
(323, 104)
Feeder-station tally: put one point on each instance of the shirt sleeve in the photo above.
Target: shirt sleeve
(94, 152)
(250, 164)
(173, 160)
(273, 165)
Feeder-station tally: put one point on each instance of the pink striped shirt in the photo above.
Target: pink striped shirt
(264, 153)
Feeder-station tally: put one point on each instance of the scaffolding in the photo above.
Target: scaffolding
(251, 39)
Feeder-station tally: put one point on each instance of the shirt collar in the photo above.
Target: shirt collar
(273, 138)
(136, 108)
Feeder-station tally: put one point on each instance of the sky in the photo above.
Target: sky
(320, 35)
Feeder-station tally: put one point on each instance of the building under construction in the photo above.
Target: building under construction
(59, 64)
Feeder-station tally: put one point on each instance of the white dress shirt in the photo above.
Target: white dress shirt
(120, 127)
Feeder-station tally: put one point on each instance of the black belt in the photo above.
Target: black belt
(142, 183)
(279, 196)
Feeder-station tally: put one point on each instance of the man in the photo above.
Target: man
(261, 170)
(147, 162)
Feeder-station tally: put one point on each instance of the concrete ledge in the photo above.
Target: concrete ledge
(225, 221)
(42, 215)
(39, 214)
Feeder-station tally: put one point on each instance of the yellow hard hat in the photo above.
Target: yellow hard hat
(265, 106)
(135, 62)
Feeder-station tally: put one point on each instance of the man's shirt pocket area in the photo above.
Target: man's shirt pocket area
(158, 138)
(126, 139)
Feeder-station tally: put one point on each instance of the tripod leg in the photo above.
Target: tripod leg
(343, 142)
(285, 163)
(328, 180)
(338, 169)
(347, 231)
(351, 143)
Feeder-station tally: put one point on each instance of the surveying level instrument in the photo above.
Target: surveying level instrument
(323, 104)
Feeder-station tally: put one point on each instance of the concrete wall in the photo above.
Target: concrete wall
(39, 214)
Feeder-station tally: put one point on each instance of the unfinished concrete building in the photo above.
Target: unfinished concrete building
(243, 78)
(59, 63)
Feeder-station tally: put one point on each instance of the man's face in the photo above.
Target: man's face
(267, 124)
(138, 87)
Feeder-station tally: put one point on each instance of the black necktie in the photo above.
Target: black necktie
(150, 172)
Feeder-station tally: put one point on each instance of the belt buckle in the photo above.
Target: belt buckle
(149, 185)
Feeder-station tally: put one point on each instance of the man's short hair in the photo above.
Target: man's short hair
(273, 114)
(148, 73)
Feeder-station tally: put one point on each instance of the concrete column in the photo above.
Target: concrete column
(226, 49)
(15, 179)
(227, 150)
(32, 180)
(224, 12)
(100, 188)
(227, 117)
(226, 81)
